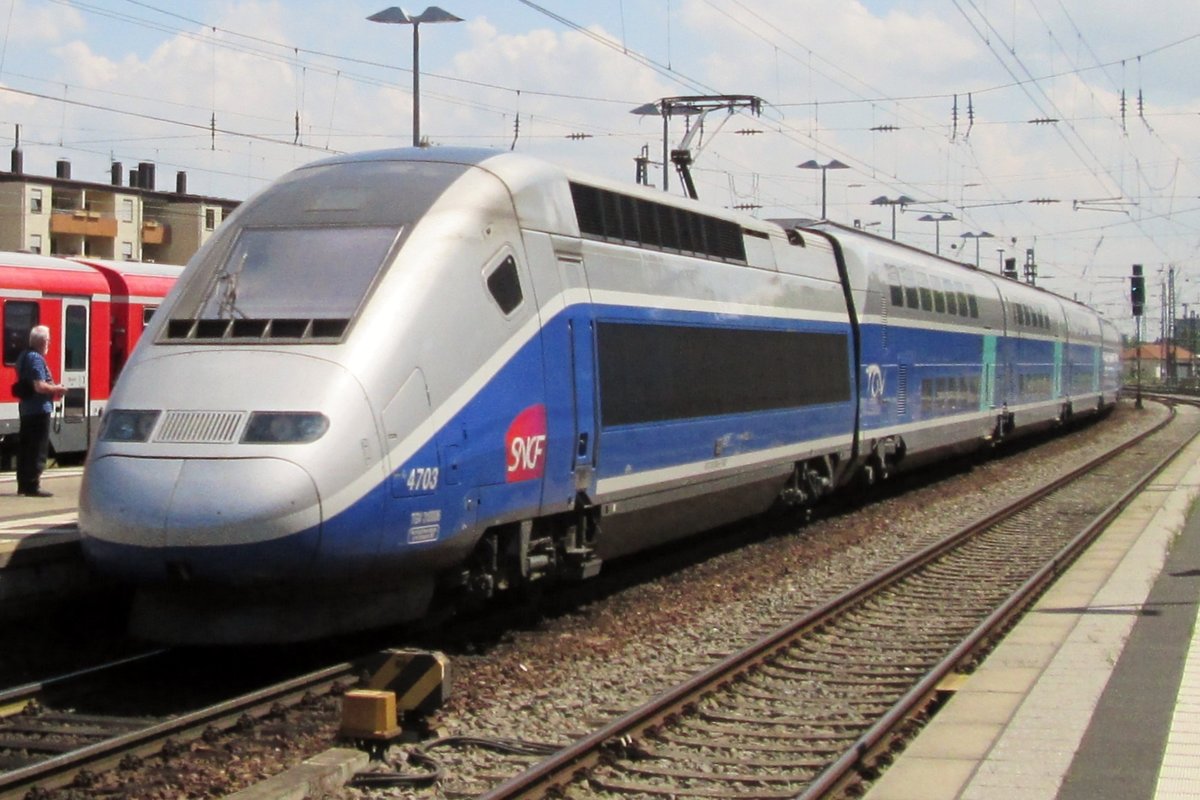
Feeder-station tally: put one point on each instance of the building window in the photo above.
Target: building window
(127, 210)
(210, 219)
(35, 201)
(35, 243)
(127, 251)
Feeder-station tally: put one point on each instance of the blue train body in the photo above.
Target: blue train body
(415, 374)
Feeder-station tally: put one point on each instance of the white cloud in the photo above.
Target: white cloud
(41, 23)
(83, 68)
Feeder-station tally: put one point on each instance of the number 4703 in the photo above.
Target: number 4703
(422, 479)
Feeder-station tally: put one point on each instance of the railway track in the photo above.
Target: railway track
(54, 731)
(812, 708)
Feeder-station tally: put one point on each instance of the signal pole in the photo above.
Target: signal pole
(1137, 299)
(1172, 367)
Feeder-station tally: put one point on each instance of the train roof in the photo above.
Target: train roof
(838, 229)
(37, 261)
(519, 171)
(140, 268)
(467, 156)
(31, 271)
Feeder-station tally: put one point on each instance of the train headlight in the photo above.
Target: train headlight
(127, 425)
(285, 427)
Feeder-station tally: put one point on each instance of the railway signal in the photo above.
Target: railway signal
(1137, 290)
(1137, 298)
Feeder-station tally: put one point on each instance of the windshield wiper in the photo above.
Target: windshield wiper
(227, 307)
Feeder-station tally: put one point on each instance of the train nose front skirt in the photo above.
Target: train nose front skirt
(227, 521)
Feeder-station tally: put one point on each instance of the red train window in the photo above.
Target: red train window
(19, 318)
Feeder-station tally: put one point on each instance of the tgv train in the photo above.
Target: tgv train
(96, 311)
(419, 376)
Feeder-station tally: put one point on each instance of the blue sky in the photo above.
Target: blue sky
(872, 84)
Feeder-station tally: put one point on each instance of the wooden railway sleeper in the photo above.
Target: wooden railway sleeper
(641, 768)
(616, 786)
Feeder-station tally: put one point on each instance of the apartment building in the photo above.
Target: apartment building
(118, 220)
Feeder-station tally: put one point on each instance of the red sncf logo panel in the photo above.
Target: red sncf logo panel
(525, 445)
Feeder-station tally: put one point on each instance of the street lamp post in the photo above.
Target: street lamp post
(977, 237)
(937, 229)
(833, 164)
(397, 16)
(902, 200)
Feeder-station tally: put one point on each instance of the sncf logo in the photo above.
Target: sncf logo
(525, 444)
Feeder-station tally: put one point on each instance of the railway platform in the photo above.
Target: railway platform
(39, 544)
(1096, 692)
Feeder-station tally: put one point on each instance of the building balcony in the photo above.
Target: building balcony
(155, 232)
(83, 223)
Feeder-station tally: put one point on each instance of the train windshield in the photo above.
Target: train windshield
(297, 272)
(300, 259)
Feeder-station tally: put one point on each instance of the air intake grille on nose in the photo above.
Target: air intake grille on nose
(200, 427)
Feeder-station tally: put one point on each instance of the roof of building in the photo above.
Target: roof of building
(1155, 352)
(70, 183)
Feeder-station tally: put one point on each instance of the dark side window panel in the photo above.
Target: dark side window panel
(648, 224)
(654, 373)
(611, 216)
(505, 286)
(20, 317)
(75, 339)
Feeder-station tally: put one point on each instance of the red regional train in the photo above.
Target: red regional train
(96, 311)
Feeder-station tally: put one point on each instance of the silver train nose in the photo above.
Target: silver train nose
(225, 520)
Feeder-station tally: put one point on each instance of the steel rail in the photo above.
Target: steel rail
(55, 771)
(11, 700)
(575, 759)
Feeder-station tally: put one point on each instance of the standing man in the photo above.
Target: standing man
(35, 413)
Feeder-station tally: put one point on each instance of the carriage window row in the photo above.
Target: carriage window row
(1083, 381)
(927, 293)
(1035, 386)
(949, 394)
(1031, 317)
(612, 216)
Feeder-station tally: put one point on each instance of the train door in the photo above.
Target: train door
(1061, 366)
(583, 361)
(987, 377)
(581, 325)
(70, 429)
